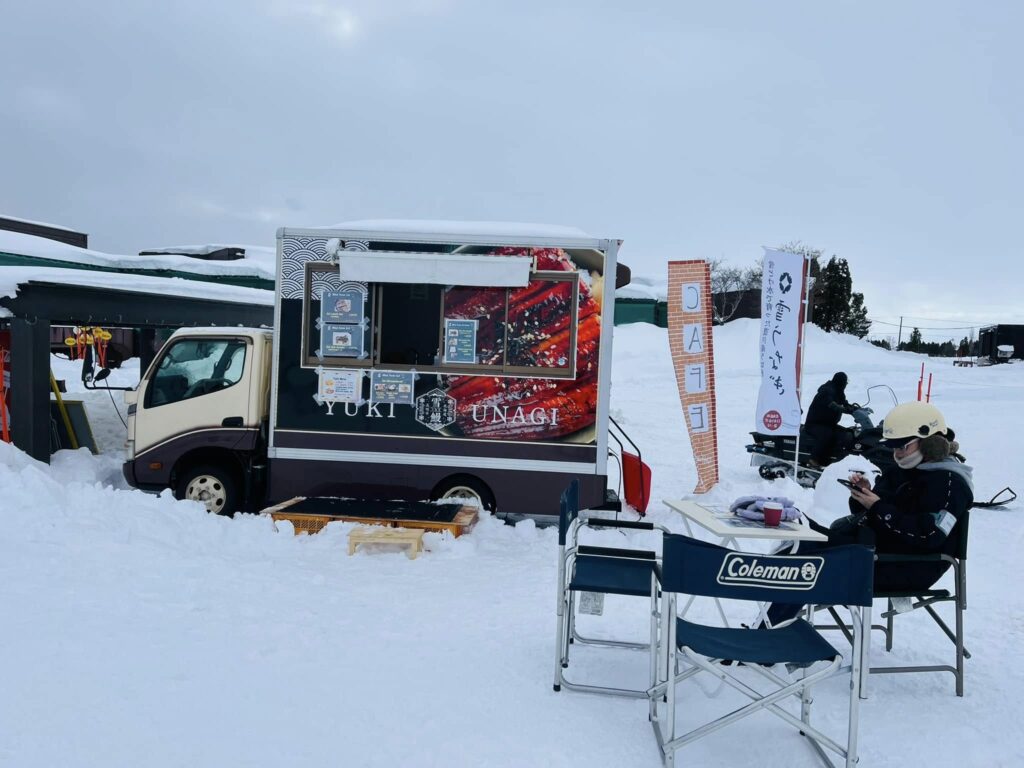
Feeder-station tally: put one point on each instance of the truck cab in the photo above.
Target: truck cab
(197, 422)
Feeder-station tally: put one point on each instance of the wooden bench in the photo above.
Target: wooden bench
(377, 534)
(310, 515)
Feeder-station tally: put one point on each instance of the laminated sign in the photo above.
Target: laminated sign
(460, 341)
(392, 386)
(782, 301)
(693, 357)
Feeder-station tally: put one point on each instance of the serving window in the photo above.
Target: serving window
(337, 319)
(528, 331)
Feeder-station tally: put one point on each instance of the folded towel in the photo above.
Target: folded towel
(752, 507)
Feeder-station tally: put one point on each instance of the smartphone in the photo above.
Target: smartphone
(847, 483)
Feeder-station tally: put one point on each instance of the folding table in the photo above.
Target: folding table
(729, 528)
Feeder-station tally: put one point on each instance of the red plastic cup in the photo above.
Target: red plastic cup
(772, 514)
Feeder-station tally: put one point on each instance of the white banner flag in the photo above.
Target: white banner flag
(782, 293)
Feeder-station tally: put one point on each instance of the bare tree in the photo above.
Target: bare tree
(727, 287)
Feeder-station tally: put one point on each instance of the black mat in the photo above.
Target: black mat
(425, 511)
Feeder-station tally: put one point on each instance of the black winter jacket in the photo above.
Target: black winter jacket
(906, 519)
(828, 406)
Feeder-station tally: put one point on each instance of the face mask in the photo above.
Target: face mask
(910, 461)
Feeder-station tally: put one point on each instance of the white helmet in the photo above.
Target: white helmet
(913, 420)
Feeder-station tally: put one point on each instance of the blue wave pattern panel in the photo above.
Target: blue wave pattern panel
(296, 252)
(299, 251)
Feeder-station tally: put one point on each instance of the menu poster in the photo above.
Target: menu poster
(344, 306)
(340, 386)
(392, 387)
(460, 341)
(338, 340)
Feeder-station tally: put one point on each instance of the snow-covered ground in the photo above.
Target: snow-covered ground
(140, 631)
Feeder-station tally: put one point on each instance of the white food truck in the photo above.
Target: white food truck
(408, 361)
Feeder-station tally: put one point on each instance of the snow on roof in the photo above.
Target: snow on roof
(11, 278)
(41, 247)
(644, 287)
(40, 224)
(257, 252)
(474, 228)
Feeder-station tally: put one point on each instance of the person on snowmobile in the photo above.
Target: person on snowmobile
(827, 408)
(913, 508)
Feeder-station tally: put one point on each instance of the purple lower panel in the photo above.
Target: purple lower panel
(153, 466)
(516, 491)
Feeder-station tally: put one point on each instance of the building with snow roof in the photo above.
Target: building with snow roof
(50, 279)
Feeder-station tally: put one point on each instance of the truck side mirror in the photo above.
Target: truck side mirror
(101, 374)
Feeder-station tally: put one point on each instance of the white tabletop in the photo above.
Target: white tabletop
(724, 523)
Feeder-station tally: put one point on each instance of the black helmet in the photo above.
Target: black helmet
(840, 380)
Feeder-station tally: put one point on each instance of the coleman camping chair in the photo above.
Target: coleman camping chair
(837, 576)
(956, 555)
(601, 570)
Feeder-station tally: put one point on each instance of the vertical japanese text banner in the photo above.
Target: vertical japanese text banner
(782, 302)
(693, 358)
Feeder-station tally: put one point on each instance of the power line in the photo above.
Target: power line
(974, 324)
(929, 328)
(943, 320)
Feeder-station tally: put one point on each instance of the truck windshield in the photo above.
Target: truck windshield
(195, 367)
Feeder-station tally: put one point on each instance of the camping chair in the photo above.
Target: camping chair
(602, 570)
(956, 555)
(841, 575)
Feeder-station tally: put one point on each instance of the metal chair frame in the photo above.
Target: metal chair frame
(665, 665)
(927, 599)
(569, 550)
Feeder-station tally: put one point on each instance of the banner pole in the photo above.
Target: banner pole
(800, 373)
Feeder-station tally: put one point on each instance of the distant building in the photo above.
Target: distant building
(645, 302)
(738, 304)
(1001, 343)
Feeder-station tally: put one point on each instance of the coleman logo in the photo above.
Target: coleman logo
(771, 573)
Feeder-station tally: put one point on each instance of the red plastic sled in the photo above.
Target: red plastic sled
(636, 482)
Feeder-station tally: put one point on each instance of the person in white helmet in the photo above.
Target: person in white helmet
(913, 507)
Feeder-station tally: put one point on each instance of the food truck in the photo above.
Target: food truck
(408, 361)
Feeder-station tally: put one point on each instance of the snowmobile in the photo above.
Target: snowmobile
(773, 454)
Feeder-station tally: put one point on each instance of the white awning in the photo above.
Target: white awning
(437, 268)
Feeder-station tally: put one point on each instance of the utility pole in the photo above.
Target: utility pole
(900, 338)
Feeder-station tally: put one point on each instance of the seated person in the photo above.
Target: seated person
(913, 507)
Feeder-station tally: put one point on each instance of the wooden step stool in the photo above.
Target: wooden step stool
(377, 534)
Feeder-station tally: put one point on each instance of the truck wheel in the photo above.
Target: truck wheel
(212, 485)
(468, 488)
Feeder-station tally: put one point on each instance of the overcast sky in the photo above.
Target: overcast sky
(887, 133)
